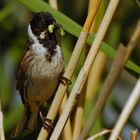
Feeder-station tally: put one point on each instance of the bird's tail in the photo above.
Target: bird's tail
(27, 122)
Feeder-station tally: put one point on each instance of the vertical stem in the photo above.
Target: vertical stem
(84, 71)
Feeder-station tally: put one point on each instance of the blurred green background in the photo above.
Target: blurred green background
(14, 19)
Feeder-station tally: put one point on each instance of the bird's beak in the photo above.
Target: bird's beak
(57, 26)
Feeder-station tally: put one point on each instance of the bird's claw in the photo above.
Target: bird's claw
(47, 123)
(64, 80)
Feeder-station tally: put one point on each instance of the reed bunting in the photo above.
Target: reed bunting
(40, 68)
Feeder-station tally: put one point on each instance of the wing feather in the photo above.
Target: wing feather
(22, 75)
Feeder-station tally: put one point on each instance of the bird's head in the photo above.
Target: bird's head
(42, 22)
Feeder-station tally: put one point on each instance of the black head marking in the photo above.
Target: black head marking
(40, 22)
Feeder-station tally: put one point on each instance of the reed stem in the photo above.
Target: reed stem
(85, 69)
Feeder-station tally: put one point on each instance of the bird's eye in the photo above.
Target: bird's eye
(43, 24)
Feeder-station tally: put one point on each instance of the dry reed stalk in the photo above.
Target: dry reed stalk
(78, 118)
(85, 69)
(2, 137)
(134, 135)
(128, 108)
(70, 69)
(97, 68)
(67, 132)
(120, 61)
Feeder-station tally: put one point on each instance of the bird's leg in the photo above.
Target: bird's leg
(47, 123)
(33, 112)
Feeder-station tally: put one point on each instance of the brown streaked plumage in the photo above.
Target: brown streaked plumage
(40, 68)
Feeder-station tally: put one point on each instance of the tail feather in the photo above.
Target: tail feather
(27, 122)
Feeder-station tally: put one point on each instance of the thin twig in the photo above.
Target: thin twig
(100, 134)
(2, 137)
(85, 69)
(70, 69)
(134, 134)
(120, 60)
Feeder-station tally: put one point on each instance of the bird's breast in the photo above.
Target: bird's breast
(44, 74)
(41, 67)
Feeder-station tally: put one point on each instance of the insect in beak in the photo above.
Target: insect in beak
(57, 26)
(54, 27)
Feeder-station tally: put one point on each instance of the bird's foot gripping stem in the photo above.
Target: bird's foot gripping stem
(64, 80)
(47, 123)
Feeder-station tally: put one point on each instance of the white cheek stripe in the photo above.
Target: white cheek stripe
(31, 35)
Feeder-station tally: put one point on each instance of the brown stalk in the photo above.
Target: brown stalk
(114, 73)
(70, 69)
(85, 69)
(134, 135)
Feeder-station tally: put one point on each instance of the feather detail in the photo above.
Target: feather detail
(28, 120)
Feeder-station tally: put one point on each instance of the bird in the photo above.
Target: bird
(40, 70)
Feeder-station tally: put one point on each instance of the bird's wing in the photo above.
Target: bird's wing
(22, 77)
